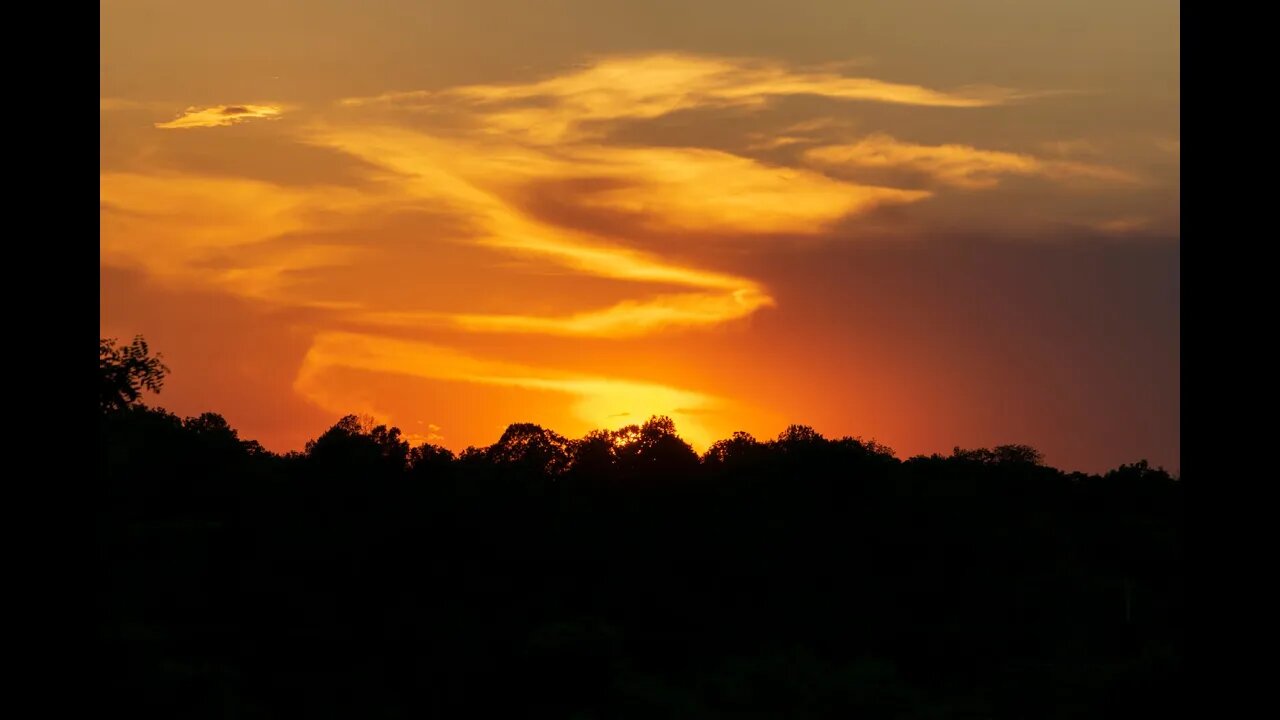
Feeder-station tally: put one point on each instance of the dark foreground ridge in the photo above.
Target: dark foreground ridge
(622, 576)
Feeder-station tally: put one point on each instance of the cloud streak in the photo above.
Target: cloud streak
(560, 108)
(220, 116)
(192, 230)
(458, 176)
(961, 166)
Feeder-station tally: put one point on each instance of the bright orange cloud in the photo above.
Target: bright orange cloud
(471, 182)
(219, 115)
(629, 318)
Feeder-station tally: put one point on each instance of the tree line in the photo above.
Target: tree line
(621, 574)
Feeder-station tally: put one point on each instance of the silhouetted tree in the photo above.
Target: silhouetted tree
(593, 456)
(430, 461)
(1017, 455)
(530, 448)
(354, 446)
(620, 576)
(739, 450)
(799, 436)
(1001, 454)
(125, 371)
(655, 450)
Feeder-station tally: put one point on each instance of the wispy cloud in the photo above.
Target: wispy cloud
(490, 169)
(647, 86)
(957, 165)
(663, 188)
(701, 189)
(629, 318)
(676, 190)
(212, 231)
(220, 115)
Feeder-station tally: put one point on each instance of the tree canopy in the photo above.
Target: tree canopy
(622, 575)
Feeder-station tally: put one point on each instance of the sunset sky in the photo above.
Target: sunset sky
(928, 223)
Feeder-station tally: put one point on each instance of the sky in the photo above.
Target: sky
(932, 224)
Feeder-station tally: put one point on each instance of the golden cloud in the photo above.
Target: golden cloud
(483, 173)
(646, 86)
(665, 189)
(472, 183)
(210, 231)
(219, 115)
(629, 318)
(699, 189)
(960, 166)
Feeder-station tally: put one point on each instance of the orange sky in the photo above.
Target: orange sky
(934, 224)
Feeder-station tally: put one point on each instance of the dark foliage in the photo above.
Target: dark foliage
(126, 371)
(622, 576)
